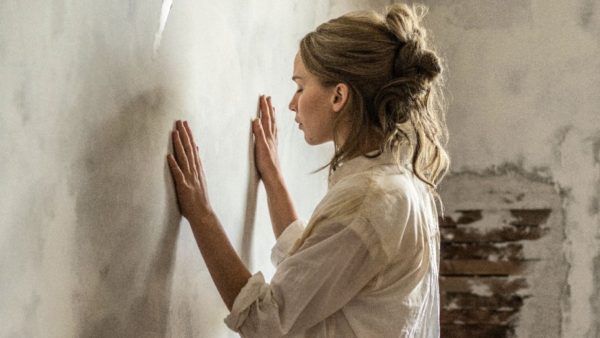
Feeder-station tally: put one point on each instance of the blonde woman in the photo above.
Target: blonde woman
(366, 263)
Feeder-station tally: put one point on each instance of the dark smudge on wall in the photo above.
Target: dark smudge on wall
(115, 225)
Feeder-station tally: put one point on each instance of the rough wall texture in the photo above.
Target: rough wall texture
(524, 92)
(500, 272)
(90, 238)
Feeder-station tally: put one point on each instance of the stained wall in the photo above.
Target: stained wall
(91, 240)
(524, 93)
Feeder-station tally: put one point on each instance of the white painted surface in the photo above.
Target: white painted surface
(90, 238)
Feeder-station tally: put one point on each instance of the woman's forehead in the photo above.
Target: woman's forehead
(299, 70)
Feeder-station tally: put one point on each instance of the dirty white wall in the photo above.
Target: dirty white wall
(91, 243)
(524, 90)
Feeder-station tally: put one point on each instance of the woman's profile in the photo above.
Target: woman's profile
(366, 262)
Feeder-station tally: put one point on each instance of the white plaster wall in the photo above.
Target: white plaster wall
(524, 90)
(91, 241)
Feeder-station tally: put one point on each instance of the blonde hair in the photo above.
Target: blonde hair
(395, 86)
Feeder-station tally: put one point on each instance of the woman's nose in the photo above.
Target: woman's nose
(292, 105)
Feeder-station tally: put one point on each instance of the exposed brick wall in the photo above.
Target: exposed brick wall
(489, 259)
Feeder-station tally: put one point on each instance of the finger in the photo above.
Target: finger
(185, 140)
(180, 152)
(271, 115)
(274, 124)
(259, 132)
(198, 160)
(175, 171)
(265, 116)
(193, 147)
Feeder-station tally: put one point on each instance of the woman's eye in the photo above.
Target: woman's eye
(298, 91)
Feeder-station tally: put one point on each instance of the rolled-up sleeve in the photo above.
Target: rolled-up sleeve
(329, 269)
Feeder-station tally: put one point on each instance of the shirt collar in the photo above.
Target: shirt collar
(362, 163)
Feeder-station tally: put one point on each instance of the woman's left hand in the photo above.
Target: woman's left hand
(188, 174)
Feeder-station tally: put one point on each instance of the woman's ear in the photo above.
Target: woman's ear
(340, 97)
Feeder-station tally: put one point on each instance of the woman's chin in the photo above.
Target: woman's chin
(309, 141)
(312, 141)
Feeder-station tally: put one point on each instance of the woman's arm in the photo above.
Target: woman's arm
(281, 207)
(227, 270)
(335, 263)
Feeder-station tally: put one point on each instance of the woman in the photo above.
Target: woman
(366, 264)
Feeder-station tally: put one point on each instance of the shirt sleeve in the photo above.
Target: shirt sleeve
(285, 241)
(327, 271)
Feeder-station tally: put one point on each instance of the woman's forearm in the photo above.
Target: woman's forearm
(225, 266)
(281, 207)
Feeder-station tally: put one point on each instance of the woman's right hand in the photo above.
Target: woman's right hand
(265, 142)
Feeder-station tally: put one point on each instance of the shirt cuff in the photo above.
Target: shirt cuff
(255, 289)
(285, 241)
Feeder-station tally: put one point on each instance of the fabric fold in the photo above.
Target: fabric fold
(366, 265)
(255, 289)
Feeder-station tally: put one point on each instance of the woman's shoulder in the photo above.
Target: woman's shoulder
(373, 191)
(377, 181)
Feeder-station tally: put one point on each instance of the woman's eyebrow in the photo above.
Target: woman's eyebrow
(296, 77)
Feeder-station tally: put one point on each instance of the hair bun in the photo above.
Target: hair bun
(430, 65)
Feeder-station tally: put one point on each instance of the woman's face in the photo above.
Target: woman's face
(313, 104)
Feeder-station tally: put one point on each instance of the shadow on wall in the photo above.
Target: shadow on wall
(251, 196)
(124, 272)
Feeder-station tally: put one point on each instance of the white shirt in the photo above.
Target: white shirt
(368, 267)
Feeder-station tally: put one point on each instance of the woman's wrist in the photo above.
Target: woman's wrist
(273, 182)
(280, 203)
(202, 218)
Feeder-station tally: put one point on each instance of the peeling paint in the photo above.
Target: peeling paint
(538, 174)
(549, 129)
(520, 214)
(480, 289)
